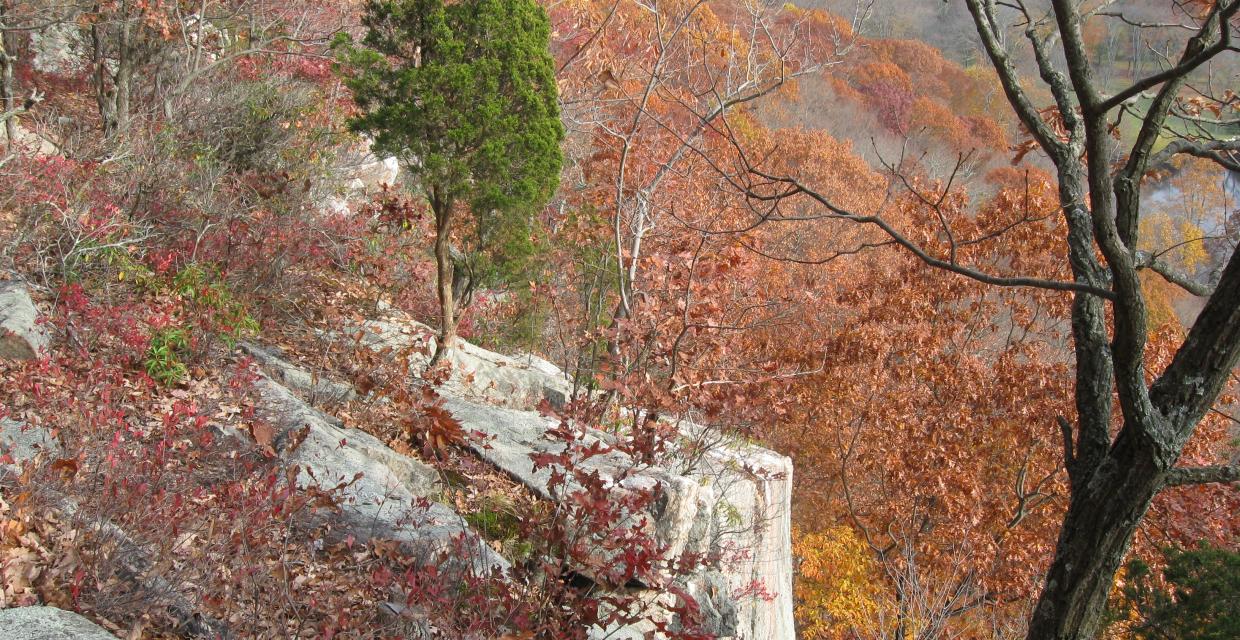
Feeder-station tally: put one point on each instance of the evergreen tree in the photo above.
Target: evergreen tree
(464, 95)
(1200, 599)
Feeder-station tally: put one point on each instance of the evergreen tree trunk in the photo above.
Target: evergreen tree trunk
(443, 264)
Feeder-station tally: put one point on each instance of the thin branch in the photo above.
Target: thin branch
(35, 98)
(917, 250)
(1220, 151)
(586, 45)
(1224, 13)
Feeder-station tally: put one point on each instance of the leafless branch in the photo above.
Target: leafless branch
(1182, 476)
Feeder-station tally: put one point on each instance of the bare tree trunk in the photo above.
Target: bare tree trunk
(105, 96)
(114, 89)
(1097, 530)
(1110, 495)
(123, 80)
(444, 271)
(7, 101)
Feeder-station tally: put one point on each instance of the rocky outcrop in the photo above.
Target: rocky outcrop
(21, 442)
(27, 141)
(48, 623)
(751, 526)
(514, 438)
(732, 503)
(21, 335)
(385, 495)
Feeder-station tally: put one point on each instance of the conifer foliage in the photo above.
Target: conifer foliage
(465, 96)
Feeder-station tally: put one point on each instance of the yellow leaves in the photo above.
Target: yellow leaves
(1160, 297)
(1188, 206)
(838, 589)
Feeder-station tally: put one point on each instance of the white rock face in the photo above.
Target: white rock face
(387, 495)
(21, 336)
(734, 502)
(368, 172)
(48, 623)
(56, 48)
(754, 486)
(514, 436)
(27, 141)
(541, 365)
(22, 442)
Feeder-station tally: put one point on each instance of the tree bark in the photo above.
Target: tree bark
(1113, 482)
(1102, 516)
(7, 102)
(1113, 479)
(442, 209)
(113, 90)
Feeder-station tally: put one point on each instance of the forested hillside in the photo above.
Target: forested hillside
(970, 266)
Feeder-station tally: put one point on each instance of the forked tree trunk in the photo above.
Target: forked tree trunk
(1102, 517)
(114, 89)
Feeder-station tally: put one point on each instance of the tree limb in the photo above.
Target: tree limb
(983, 18)
(1182, 476)
(917, 250)
(35, 98)
(1217, 150)
(1187, 388)
(1147, 260)
(1224, 13)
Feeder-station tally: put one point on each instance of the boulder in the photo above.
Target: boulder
(514, 437)
(48, 623)
(540, 364)
(364, 172)
(21, 336)
(719, 612)
(735, 503)
(57, 47)
(732, 502)
(27, 141)
(385, 494)
(22, 442)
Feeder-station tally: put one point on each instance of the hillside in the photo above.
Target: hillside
(616, 319)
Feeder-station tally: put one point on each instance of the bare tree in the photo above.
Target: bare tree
(1113, 479)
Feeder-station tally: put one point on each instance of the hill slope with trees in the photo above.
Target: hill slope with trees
(975, 280)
